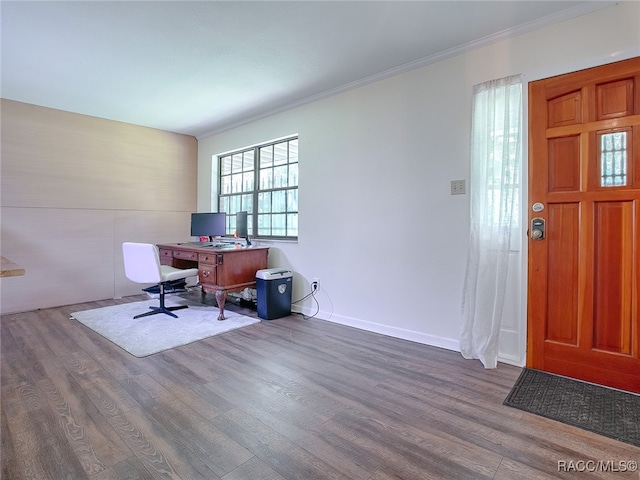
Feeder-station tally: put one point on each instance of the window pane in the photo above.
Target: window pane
(247, 203)
(236, 183)
(236, 163)
(292, 200)
(224, 204)
(247, 181)
(225, 165)
(613, 159)
(279, 201)
(280, 155)
(234, 204)
(279, 225)
(264, 224)
(293, 175)
(266, 156)
(247, 161)
(292, 225)
(264, 202)
(293, 151)
(280, 177)
(266, 179)
(225, 185)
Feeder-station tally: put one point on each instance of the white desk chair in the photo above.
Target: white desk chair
(142, 265)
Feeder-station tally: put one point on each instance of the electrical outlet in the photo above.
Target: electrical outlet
(458, 187)
(315, 284)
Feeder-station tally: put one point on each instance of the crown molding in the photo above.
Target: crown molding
(564, 15)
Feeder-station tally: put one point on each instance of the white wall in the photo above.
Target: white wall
(377, 224)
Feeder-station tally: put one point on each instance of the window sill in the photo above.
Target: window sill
(269, 241)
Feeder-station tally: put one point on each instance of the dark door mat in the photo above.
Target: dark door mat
(606, 411)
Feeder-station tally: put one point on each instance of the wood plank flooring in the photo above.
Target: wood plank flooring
(290, 398)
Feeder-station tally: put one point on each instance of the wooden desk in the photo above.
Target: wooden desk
(220, 270)
(10, 269)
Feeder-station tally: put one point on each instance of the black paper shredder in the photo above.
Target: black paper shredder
(273, 289)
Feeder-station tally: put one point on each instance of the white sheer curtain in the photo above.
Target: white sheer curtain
(496, 153)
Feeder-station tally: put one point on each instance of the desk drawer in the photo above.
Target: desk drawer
(207, 274)
(185, 255)
(166, 256)
(210, 258)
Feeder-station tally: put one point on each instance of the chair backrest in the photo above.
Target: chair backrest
(141, 262)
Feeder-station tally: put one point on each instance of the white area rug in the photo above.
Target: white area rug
(155, 333)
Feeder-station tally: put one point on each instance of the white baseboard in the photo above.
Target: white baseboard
(413, 336)
(509, 360)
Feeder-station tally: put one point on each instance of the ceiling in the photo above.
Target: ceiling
(203, 67)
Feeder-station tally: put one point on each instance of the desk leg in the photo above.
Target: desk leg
(221, 298)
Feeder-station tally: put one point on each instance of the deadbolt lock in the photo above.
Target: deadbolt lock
(537, 228)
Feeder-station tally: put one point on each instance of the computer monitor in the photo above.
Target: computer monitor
(242, 226)
(208, 224)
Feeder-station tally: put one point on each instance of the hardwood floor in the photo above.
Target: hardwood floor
(290, 398)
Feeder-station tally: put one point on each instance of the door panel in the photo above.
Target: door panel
(565, 109)
(563, 297)
(615, 99)
(613, 259)
(584, 167)
(564, 164)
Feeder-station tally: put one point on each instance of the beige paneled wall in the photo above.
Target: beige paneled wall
(73, 189)
(145, 226)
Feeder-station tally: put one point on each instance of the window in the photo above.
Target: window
(613, 159)
(497, 151)
(263, 181)
(503, 179)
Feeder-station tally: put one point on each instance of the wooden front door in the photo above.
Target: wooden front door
(584, 207)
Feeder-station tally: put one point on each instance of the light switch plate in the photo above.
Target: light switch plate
(458, 187)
